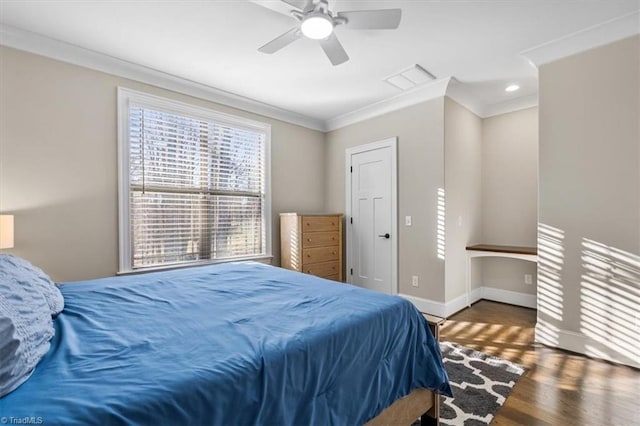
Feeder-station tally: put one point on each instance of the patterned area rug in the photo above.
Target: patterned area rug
(481, 384)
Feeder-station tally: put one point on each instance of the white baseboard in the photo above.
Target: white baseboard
(579, 343)
(511, 297)
(460, 302)
(425, 305)
(449, 308)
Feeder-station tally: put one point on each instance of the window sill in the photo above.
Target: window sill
(267, 259)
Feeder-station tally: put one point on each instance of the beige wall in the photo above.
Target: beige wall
(589, 275)
(58, 165)
(58, 175)
(420, 133)
(510, 195)
(463, 193)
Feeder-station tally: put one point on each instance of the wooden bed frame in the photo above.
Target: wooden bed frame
(405, 411)
(420, 403)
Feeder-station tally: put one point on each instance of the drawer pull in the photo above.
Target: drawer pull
(309, 239)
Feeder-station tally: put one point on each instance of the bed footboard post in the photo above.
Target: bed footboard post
(427, 420)
(432, 417)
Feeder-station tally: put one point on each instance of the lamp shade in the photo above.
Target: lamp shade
(6, 231)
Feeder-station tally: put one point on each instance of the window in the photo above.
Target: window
(193, 184)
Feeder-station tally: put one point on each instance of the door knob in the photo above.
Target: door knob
(385, 236)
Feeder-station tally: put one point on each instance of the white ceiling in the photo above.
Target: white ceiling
(478, 42)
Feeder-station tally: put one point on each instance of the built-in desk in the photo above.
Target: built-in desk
(490, 250)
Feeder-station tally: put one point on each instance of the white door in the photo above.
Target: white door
(371, 215)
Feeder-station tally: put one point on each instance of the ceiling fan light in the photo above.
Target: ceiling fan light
(317, 27)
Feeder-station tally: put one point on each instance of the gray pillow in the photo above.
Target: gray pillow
(25, 330)
(30, 276)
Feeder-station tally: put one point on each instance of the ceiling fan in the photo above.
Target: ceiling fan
(317, 22)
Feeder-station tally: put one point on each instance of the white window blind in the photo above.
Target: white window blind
(196, 188)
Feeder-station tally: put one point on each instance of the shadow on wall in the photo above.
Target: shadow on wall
(610, 300)
(550, 293)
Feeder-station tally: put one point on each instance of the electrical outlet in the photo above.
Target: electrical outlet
(415, 281)
(407, 220)
(528, 279)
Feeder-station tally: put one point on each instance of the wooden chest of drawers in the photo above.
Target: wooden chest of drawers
(312, 244)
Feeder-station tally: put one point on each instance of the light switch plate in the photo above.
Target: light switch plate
(407, 220)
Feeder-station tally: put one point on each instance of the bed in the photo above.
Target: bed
(238, 343)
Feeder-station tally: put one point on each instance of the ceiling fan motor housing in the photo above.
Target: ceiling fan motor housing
(318, 22)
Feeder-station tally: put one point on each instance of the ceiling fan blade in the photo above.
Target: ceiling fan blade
(334, 50)
(385, 19)
(282, 41)
(303, 5)
(280, 6)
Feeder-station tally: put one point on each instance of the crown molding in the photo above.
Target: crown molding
(512, 105)
(597, 35)
(450, 87)
(462, 95)
(44, 46)
(423, 93)
(588, 38)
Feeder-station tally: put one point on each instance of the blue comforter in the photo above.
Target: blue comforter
(232, 344)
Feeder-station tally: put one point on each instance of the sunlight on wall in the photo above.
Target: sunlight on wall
(440, 237)
(610, 300)
(550, 263)
(546, 333)
(295, 249)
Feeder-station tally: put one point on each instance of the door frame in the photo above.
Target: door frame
(391, 143)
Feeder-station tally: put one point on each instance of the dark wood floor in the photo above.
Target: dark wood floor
(559, 388)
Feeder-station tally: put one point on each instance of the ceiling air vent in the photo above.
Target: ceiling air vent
(410, 77)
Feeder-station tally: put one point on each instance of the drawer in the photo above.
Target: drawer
(320, 239)
(320, 223)
(323, 269)
(335, 277)
(320, 254)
